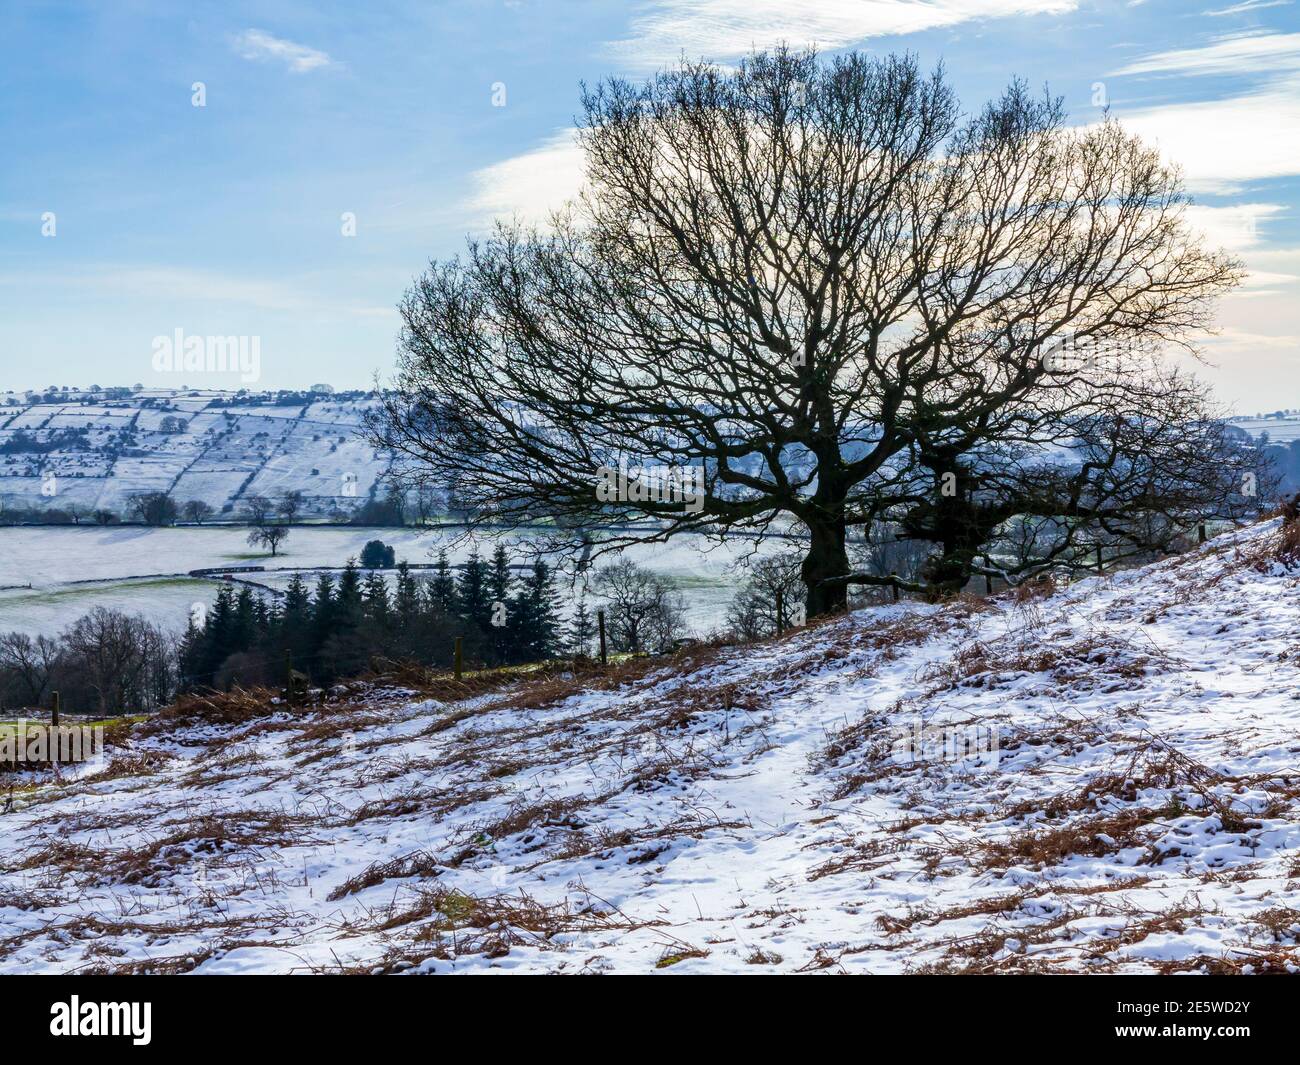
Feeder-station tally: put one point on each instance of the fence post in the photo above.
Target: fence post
(458, 656)
(893, 585)
(1200, 533)
(1100, 566)
(54, 711)
(780, 611)
(600, 623)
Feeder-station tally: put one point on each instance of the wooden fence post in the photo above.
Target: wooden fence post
(54, 711)
(893, 584)
(1200, 533)
(458, 656)
(1100, 566)
(780, 611)
(600, 623)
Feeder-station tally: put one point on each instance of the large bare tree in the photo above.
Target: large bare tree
(826, 288)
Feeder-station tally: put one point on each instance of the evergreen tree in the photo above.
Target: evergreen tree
(344, 652)
(536, 617)
(262, 612)
(245, 627)
(501, 632)
(378, 609)
(220, 631)
(442, 589)
(295, 616)
(472, 599)
(190, 657)
(348, 610)
(322, 616)
(407, 601)
(582, 628)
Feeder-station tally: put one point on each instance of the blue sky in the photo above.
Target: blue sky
(227, 219)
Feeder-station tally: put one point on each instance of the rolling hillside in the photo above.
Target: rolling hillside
(1100, 778)
(93, 451)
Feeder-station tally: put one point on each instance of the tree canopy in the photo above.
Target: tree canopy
(816, 293)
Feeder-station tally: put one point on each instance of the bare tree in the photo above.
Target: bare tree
(268, 536)
(197, 511)
(26, 666)
(642, 612)
(822, 287)
(259, 509)
(770, 599)
(291, 502)
(153, 508)
(121, 658)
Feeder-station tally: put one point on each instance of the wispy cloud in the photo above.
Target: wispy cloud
(1225, 144)
(1249, 5)
(530, 185)
(1244, 53)
(1238, 227)
(259, 45)
(727, 29)
(175, 285)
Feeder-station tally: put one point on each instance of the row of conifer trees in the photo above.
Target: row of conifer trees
(341, 626)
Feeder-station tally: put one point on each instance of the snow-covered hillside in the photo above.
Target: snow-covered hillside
(95, 453)
(1132, 804)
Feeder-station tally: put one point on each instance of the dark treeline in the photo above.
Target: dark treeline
(105, 663)
(342, 626)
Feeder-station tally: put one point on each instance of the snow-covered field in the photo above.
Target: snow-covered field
(192, 444)
(51, 575)
(742, 810)
(1279, 430)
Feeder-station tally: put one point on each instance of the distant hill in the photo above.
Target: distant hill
(80, 452)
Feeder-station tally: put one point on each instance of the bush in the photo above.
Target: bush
(378, 555)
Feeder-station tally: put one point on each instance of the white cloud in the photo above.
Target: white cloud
(1245, 53)
(1248, 5)
(1225, 144)
(727, 29)
(529, 185)
(1236, 228)
(259, 45)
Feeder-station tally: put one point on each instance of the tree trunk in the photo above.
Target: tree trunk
(824, 567)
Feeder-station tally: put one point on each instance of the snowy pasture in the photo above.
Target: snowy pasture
(50, 575)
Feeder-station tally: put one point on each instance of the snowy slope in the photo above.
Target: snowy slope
(204, 445)
(749, 809)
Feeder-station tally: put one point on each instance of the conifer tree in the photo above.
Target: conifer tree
(442, 589)
(471, 593)
(378, 609)
(406, 603)
(220, 631)
(582, 628)
(322, 612)
(502, 631)
(536, 617)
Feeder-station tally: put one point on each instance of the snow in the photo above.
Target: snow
(50, 575)
(745, 809)
(223, 455)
